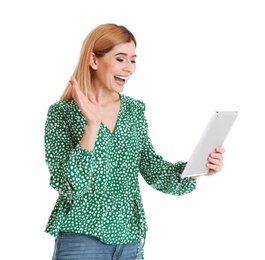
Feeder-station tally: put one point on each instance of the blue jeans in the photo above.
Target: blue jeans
(73, 246)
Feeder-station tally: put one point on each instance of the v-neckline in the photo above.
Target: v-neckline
(118, 119)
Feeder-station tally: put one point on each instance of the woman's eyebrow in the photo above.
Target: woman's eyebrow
(125, 54)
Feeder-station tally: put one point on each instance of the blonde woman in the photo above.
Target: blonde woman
(96, 144)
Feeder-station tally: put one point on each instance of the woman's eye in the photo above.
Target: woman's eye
(119, 59)
(133, 61)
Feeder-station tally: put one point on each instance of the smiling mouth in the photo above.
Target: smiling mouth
(121, 78)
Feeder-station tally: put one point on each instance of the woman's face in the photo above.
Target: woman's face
(114, 69)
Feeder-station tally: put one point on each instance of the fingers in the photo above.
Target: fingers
(76, 90)
(215, 161)
(87, 103)
(215, 167)
(219, 149)
(73, 81)
(216, 156)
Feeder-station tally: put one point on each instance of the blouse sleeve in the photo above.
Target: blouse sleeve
(160, 174)
(69, 164)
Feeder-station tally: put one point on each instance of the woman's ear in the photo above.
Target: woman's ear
(93, 61)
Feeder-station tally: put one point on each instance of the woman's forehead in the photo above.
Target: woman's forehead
(127, 49)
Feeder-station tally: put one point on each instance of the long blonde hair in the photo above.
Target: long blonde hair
(99, 41)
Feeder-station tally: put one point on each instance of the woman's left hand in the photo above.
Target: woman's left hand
(215, 161)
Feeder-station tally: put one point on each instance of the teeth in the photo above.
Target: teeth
(123, 78)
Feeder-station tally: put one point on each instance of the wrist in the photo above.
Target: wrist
(92, 128)
(89, 138)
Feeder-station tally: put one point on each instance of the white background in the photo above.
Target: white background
(194, 57)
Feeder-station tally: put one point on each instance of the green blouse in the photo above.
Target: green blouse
(99, 190)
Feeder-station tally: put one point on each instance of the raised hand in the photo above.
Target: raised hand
(88, 105)
(92, 112)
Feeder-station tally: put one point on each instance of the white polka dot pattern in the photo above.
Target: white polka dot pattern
(99, 191)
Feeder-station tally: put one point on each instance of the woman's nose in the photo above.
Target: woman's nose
(130, 67)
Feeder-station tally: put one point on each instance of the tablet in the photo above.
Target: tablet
(213, 136)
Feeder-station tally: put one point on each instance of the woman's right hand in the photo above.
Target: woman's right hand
(90, 108)
(92, 112)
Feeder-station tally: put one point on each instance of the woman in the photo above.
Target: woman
(96, 144)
